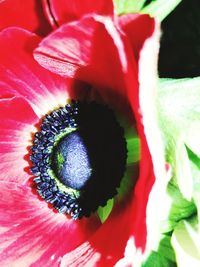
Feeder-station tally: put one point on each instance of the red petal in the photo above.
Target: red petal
(20, 75)
(107, 245)
(32, 234)
(16, 123)
(25, 14)
(143, 104)
(153, 147)
(91, 50)
(131, 224)
(61, 11)
(137, 28)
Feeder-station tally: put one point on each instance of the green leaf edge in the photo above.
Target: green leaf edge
(160, 9)
(128, 6)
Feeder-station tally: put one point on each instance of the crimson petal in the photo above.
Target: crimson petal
(92, 50)
(26, 14)
(131, 225)
(61, 11)
(137, 27)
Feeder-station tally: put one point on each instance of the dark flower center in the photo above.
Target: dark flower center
(79, 157)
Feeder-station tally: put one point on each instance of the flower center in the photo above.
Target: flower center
(79, 157)
(71, 161)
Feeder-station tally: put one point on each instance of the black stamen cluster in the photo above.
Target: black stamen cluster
(107, 151)
(53, 124)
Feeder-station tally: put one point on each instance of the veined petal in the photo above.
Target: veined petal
(33, 234)
(26, 14)
(61, 11)
(92, 50)
(16, 123)
(21, 76)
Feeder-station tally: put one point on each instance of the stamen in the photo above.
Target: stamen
(79, 158)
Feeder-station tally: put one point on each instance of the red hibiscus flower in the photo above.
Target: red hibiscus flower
(91, 55)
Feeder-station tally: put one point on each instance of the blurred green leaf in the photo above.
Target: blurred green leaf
(164, 256)
(128, 6)
(179, 118)
(133, 145)
(180, 208)
(186, 243)
(165, 248)
(195, 168)
(104, 212)
(160, 9)
(156, 260)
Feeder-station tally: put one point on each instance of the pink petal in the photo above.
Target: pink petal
(61, 11)
(16, 123)
(137, 28)
(26, 14)
(33, 234)
(21, 76)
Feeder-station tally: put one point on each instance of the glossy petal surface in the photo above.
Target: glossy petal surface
(61, 11)
(92, 50)
(26, 14)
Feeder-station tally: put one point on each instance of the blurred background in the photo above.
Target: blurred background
(180, 42)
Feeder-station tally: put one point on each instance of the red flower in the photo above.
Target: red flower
(117, 58)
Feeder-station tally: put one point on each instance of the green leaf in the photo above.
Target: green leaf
(160, 9)
(165, 248)
(179, 118)
(128, 181)
(175, 116)
(133, 157)
(186, 243)
(133, 145)
(164, 256)
(128, 6)
(180, 207)
(170, 209)
(104, 212)
(195, 167)
(179, 121)
(156, 260)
